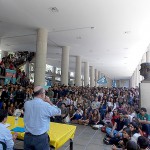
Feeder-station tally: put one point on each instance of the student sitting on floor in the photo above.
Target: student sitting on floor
(85, 118)
(77, 115)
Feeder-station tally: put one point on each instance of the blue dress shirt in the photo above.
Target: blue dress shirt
(37, 116)
(6, 137)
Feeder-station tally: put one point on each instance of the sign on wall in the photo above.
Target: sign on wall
(10, 76)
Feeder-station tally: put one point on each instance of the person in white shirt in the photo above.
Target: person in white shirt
(19, 111)
(95, 104)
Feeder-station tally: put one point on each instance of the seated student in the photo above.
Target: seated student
(116, 130)
(96, 118)
(64, 113)
(85, 118)
(11, 109)
(5, 134)
(108, 116)
(144, 119)
(135, 131)
(71, 111)
(77, 115)
(125, 140)
(131, 145)
(143, 143)
(19, 111)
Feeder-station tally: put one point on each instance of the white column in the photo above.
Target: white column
(96, 77)
(78, 71)
(137, 77)
(143, 58)
(91, 76)
(99, 74)
(40, 60)
(148, 56)
(53, 75)
(27, 69)
(142, 61)
(138, 67)
(4, 54)
(131, 82)
(86, 73)
(134, 79)
(65, 65)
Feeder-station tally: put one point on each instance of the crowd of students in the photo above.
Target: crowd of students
(117, 109)
(12, 62)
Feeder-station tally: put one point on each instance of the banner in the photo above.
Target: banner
(10, 76)
(114, 84)
(102, 80)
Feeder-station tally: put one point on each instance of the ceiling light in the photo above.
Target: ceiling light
(125, 57)
(53, 9)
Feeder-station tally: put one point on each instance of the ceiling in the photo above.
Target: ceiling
(112, 35)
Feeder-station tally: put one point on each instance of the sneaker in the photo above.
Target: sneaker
(106, 141)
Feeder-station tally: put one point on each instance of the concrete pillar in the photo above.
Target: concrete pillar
(99, 74)
(27, 69)
(53, 75)
(138, 68)
(78, 71)
(96, 77)
(143, 58)
(133, 83)
(137, 77)
(3, 54)
(65, 65)
(40, 60)
(69, 78)
(148, 56)
(86, 73)
(92, 76)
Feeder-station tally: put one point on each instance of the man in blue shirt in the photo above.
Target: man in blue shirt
(5, 134)
(37, 120)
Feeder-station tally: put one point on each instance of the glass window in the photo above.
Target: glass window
(58, 71)
(72, 74)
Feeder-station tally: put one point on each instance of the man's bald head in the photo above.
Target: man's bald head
(38, 90)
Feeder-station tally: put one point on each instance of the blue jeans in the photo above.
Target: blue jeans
(115, 132)
(33, 142)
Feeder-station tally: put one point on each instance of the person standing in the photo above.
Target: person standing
(37, 113)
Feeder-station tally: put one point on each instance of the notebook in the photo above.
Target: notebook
(7, 125)
(18, 129)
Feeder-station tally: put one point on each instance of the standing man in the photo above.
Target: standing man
(37, 120)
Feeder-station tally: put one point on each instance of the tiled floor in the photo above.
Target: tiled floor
(85, 139)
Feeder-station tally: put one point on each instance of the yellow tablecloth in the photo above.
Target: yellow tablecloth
(59, 133)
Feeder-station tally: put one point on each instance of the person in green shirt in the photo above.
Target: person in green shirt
(144, 119)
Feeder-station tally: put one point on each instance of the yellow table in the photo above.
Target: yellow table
(59, 133)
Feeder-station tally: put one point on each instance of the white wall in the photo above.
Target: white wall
(123, 83)
(145, 95)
